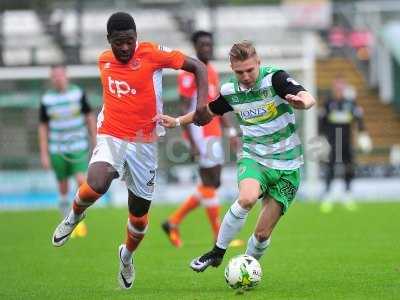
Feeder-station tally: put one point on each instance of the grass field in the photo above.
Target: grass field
(342, 255)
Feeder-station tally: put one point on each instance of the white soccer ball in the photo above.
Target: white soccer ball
(243, 272)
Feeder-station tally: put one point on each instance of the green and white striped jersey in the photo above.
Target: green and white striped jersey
(65, 114)
(266, 119)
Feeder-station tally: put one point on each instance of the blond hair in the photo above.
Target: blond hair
(242, 51)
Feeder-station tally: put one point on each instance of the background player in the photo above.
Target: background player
(65, 119)
(262, 98)
(339, 113)
(205, 141)
(127, 137)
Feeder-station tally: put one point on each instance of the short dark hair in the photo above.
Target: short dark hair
(120, 21)
(200, 33)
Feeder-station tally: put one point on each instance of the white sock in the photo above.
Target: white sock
(233, 221)
(256, 248)
(126, 255)
(63, 205)
(72, 217)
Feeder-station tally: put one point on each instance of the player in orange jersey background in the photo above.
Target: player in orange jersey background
(126, 142)
(205, 141)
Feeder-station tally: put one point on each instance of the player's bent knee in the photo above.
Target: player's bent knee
(248, 201)
(139, 223)
(100, 176)
(97, 185)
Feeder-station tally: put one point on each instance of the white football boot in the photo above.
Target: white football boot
(126, 274)
(64, 230)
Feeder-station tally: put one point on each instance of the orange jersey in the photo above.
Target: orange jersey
(132, 92)
(187, 89)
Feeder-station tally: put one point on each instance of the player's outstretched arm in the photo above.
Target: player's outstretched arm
(200, 72)
(172, 122)
(290, 90)
(204, 115)
(302, 100)
(200, 117)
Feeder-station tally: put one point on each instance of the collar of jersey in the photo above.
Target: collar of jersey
(67, 89)
(136, 47)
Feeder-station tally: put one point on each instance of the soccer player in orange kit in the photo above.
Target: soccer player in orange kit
(205, 141)
(126, 136)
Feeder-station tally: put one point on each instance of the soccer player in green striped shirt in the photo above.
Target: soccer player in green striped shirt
(67, 128)
(263, 99)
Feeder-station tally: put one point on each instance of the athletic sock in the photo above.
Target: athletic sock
(256, 248)
(72, 217)
(210, 202)
(219, 251)
(135, 231)
(126, 255)
(188, 205)
(213, 218)
(84, 198)
(233, 221)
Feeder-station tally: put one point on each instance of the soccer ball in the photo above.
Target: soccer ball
(243, 272)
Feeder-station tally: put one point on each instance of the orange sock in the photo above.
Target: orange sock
(211, 205)
(190, 203)
(85, 197)
(213, 217)
(136, 230)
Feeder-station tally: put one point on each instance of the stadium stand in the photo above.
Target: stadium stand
(383, 134)
(45, 40)
(26, 41)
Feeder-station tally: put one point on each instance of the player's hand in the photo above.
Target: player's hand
(166, 121)
(295, 101)
(45, 161)
(364, 142)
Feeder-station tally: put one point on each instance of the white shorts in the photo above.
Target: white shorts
(210, 148)
(136, 163)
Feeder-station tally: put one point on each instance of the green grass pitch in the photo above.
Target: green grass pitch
(342, 255)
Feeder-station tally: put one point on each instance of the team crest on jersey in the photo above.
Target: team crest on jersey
(135, 64)
(235, 99)
(266, 93)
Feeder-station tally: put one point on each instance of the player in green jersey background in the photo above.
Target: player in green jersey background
(67, 129)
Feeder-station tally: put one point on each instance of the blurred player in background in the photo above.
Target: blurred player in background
(127, 137)
(263, 99)
(205, 141)
(65, 120)
(338, 115)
